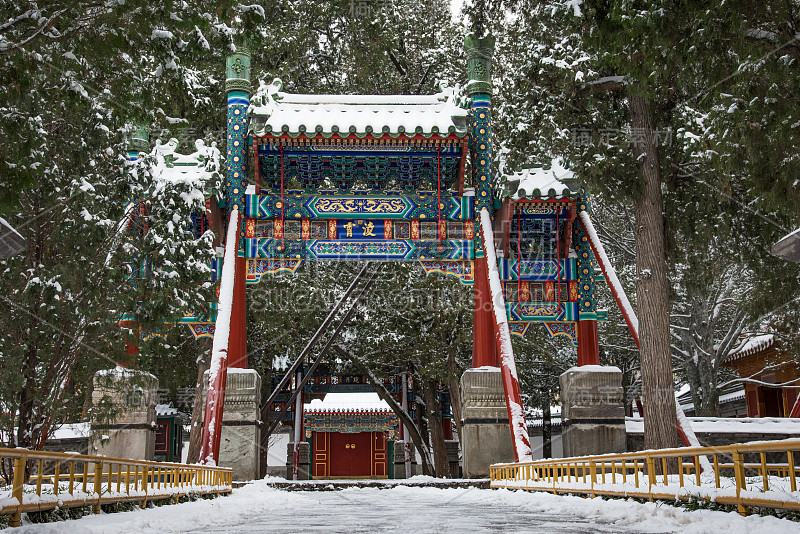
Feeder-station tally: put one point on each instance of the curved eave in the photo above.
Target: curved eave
(540, 196)
(314, 132)
(344, 410)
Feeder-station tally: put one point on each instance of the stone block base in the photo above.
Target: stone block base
(592, 412)
(487, 434)
(305, 461)
(123, 414)
(400, 460)
(241, 435)
(452, 448)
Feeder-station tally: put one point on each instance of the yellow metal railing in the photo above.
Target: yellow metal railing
(755, 474)
(62, 480)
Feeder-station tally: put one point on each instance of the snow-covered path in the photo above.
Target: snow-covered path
(259, 508)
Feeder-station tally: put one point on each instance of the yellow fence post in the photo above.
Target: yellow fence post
(741, 484)
(98, 485)
(56, 476)
(16, 488)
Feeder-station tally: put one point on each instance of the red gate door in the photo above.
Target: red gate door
(380, 466)
(322, 455)
(361, 454)
(341, 459)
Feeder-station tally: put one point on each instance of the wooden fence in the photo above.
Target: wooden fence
(63, 480)
(755, 474)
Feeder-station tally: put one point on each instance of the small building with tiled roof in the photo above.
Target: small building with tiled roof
(350, 435)
(760, 359)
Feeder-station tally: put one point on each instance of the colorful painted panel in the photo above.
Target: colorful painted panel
(549, 291)
(378, 249)
(256, 268)
(379, 165)
(518, 329)
(296, 206)
(463, 270)
(360, 229)
(349, 422)
(202, 329)
(537, 270)
(542, 312)
(567, 329)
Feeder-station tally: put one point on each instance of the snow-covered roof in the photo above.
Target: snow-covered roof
(788, 247)
(273, 112)
(11, 242)
(751, 345)
(539, 183)
(165, 409)
(730, 425)
(348, 402)
(172, 166)
(723, 399)
(72, 431)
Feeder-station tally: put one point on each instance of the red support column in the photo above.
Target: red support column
(484, 348)
(447, 427)
(588, 343)
(237, 355)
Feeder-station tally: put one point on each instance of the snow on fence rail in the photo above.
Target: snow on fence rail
(760, 474)
(62, 480)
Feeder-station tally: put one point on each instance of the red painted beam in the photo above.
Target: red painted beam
(484, 351)
(218, 371)
(508, 368)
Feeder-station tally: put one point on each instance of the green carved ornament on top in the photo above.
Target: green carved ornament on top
(479, 63)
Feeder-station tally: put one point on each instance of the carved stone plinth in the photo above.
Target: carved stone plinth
(123, 414)
(241, 434)
(592, 411)
(487, 434)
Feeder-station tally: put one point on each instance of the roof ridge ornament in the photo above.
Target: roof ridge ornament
(479, 52)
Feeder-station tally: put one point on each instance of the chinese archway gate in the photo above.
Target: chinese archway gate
(382, 178)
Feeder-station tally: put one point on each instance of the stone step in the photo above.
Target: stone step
(337, 485)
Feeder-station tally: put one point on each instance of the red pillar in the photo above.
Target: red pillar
(588, 343)
(237, 355)
(484, 347)
(447, 427)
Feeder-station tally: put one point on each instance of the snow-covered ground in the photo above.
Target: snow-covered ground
(259, 508)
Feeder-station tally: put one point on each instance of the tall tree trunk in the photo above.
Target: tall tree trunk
(547, 430)
(455, 392)
(196, 428)
(432, 406)
(652, 288)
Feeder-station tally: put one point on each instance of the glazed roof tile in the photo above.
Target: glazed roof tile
(273, 112)
(539, 183)
(348, 402)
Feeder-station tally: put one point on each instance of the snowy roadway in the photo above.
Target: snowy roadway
(258, 508)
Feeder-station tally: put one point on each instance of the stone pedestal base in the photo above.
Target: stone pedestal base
(123, 414)
(305, 461)
(487, 434)
(241, 435)
(452, 448)
(400, 460)
(592, 412)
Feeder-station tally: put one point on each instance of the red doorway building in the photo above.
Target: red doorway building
(350, 435)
